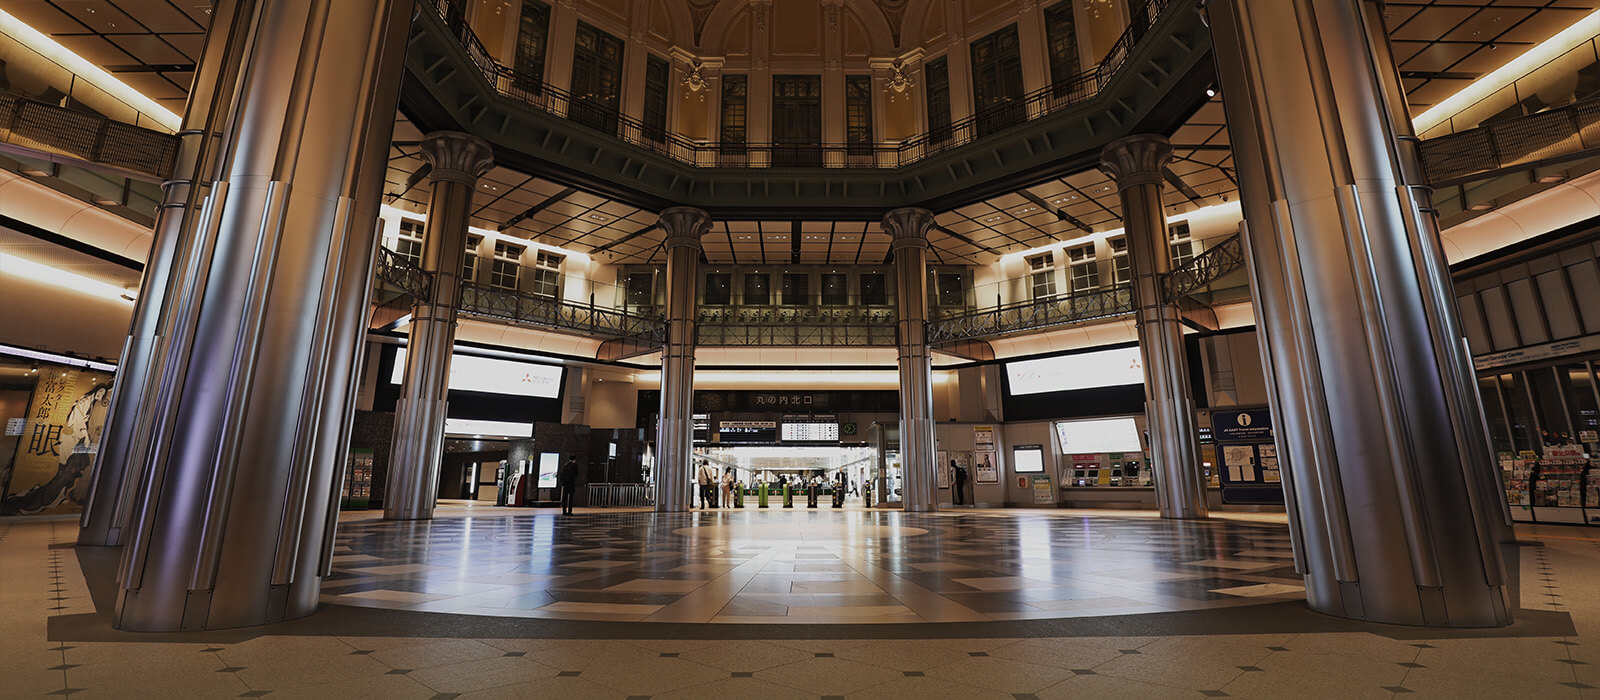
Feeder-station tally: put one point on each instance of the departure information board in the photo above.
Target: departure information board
(808, 429)
(764, 431)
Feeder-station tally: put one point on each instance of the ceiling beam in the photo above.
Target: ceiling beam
(513, 221)
(1060, 214)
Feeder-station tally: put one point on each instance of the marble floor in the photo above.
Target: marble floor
(810, 566)
(55, 602)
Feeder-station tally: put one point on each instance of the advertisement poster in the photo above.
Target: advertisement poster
(1240, 461)
(1042, 490)
(987, 469)
(56, 449)
(982, 437)
(941, 469)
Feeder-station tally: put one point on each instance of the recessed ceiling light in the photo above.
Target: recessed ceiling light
(599, 217)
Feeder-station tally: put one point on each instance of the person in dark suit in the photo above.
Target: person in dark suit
(567, 479)
(960, 479)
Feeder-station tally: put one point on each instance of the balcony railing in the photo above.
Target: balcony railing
(1033, 315)
(1515, 144)
(401, 274)
(800, 327)
(1205, 268)
(85, 136)
(529, 309)
(531, 90)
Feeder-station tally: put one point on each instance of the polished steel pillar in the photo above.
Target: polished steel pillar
(1135, 162)
(125, 443)
(417, 446)
(263, 318)
(1394, 505)
(909, 228)
(675, 434)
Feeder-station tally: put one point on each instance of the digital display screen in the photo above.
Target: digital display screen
(1090, 370)
(549, 462)
(702, 427)
(1027, 459)
(748, 431)
(1099, 436)
(487, 428)
(494, 376)
(811, 432)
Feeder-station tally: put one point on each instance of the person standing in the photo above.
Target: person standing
(728, 481)
(707, 478)
(960, 478)
(567, 479)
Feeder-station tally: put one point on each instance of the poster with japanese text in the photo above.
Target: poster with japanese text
(56, 450)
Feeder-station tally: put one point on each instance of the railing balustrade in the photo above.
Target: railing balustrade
(534, 92)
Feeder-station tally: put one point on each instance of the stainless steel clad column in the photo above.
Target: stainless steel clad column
(124, 446)
(1395, 509)
(675, 433)
(909, 228)
(264, 319)
(417, 447)
(1135, 162)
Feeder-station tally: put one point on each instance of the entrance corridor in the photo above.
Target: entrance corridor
(1019, 575)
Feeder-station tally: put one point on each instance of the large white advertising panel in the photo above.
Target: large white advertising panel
(1090, 370)
(494, 376)
(1098, 436)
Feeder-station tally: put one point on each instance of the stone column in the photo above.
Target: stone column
(675, 433)
(1394, 503)
(264, 316)
(909, 228)
(1135, 162)
(417, 447)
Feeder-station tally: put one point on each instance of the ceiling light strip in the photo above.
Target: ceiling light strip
(1549, 50)
(96, 76)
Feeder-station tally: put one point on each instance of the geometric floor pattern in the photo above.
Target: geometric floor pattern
(810, 566)
(57, 643)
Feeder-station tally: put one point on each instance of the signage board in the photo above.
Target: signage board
(1027, 459)
(1252, 426)
(490, 375)
(1043, 490)
(1088, 370)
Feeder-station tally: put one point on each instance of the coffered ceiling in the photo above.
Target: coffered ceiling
(1441, 46)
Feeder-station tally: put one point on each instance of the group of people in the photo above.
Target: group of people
(718, 490)
(715, 491)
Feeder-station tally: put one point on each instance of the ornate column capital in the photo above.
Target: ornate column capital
(684, 226)
(1136, 160)
(456, 157)
(909, 227)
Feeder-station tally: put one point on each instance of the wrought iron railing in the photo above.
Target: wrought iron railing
(1518, 143)
(1033, 315)
(1205, 268)
(534, 310)
(801, 327)
(86, 136)
(532, 91)
(402, 274)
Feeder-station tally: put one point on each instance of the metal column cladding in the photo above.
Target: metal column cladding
(1392, 493)
(675, 435)
(909, 228)
(1136, 163)
(457, 161)
(260, 321)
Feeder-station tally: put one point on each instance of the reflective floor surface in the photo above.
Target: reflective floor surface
(807, 566)
(55, 602)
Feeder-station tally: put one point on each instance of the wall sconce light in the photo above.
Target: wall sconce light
(898, 83)
(695, 81)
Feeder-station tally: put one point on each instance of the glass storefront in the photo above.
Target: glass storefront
(1544, 423)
